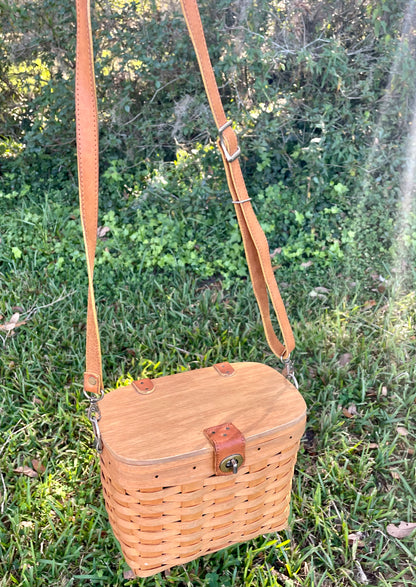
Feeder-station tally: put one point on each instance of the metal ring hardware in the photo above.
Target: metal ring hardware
(94, 416)
(97, 435)
(92, 397)
(290, 372)
(233, 157)
(231, 462)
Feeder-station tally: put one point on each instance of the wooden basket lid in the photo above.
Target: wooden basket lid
(169, 423)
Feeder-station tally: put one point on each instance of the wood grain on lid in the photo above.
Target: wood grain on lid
(169, 423)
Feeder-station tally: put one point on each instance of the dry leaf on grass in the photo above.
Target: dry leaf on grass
(402, 530)
(344, 359)
(356, 538)
(12, 323)
(361, 447)
(384, 391)
(350, 412)
(313, 294)
(306, 264)
(26, 524)
(360, 575)
(25, 471)
(395, 474)
(129, 575)
(319, 292)
(38, 466)
(402, 431)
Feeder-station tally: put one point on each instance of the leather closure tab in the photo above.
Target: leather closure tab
(229, 448)
(144, 386)
(224, 369)
(91, 383)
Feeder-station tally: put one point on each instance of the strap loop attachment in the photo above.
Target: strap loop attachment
(288, 370)
(233, 157)
(94, 416)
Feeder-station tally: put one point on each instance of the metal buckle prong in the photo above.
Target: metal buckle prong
(233, 157)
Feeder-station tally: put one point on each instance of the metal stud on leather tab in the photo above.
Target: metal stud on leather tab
(231, 463)
(229, 448)
(91, 383)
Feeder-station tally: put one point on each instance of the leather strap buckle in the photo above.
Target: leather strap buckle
(233, 157)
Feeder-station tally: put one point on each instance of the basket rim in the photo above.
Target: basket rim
(205, 451)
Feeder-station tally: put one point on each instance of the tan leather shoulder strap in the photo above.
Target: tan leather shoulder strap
(87, 149)
(255, 243)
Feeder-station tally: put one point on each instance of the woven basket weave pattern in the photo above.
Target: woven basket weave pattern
(159, 527)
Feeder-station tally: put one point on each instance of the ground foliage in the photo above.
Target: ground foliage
(322, 95)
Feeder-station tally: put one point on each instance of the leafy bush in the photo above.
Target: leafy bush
(319, 92)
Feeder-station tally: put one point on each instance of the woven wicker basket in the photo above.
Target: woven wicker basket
(194, 462)
(165, 503)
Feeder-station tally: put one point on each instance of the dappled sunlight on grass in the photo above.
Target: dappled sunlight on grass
(378, 195)
(404, 251)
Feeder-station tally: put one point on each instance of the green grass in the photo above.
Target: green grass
(354, 475)
(327, 151)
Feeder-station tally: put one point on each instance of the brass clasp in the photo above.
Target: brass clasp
(232, 462)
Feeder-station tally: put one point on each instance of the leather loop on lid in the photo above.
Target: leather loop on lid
(144, 386)
(224, 369)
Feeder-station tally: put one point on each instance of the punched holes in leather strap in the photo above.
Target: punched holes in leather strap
(229, 448)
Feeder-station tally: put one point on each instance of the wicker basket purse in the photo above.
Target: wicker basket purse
(194, 462)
